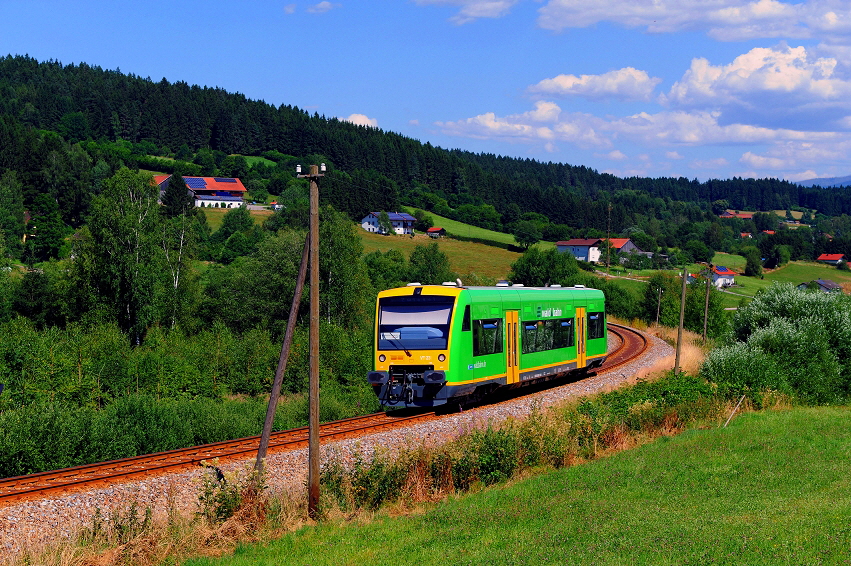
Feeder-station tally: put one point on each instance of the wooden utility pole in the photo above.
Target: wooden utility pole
(313, 389)
(609, 241)
(706, 307)
(682, 318)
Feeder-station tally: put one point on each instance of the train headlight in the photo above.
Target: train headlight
(381, 358)
(441, 358)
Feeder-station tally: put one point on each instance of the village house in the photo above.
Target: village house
(436, 232)
(734, 214)
(216, 192)
(590, 249)
(723, 276)
(823, 285)
(403, 223)
(831, 259)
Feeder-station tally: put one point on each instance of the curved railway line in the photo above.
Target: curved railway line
(33, 486)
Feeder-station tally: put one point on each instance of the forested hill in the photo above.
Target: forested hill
(84, 102)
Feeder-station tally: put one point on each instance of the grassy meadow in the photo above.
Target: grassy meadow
(770, 488)
(464, 257)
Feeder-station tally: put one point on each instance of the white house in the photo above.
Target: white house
(582, 249)
(723, 276)
(589, 249)
(217, 192)
(403, 223)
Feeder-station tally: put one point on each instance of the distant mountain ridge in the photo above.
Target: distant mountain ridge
(826, 182)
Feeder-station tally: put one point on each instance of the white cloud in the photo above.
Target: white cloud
(471, 10)
(616, 155)
(802, 175)
(693, 128)
(625, 84)
(544, 112)
(761, 161)
(361, 120)
(673, 155)
(725, 20)
(527, 127)
(788, 74)
(323, 7)
(289, 9)
(716, 163)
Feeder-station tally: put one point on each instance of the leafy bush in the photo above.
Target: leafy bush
(789, 340)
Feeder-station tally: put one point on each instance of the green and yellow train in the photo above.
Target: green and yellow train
(438, 344)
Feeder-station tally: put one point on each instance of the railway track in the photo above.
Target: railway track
(43, 484)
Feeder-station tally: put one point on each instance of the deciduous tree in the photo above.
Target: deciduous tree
(120, 262)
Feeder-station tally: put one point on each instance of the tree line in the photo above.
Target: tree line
(203, 127)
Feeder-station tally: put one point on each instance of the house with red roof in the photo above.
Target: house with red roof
(733, 214)
(832, 259)
(723, 276)
(436, 232)
(589, 249)
(215, 192)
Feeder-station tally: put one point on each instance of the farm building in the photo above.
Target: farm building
(723, 276)
(734, 214)
(589, 249)
(823, 285)
(403, 223)
(436, 232)
(832, 259)
(219, 192)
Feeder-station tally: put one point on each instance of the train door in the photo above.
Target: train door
(512, 357)
(581, 336)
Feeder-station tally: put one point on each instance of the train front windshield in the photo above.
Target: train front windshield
(414, 322)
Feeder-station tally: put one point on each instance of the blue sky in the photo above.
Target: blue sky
(700, 89)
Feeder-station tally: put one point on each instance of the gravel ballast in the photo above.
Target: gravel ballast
(33, 524)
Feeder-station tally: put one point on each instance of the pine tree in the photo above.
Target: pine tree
(176, 198)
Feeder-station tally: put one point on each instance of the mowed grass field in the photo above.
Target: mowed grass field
(771, 488)
(468, 231)
(464, 257)
(215, 216)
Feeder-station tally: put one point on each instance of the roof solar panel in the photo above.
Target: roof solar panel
(224, 180)
(195, 182)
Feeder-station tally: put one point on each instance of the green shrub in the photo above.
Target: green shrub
(787, 340)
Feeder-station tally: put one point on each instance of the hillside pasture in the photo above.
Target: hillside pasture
(470, 232)
(215, 216)
(464, 257)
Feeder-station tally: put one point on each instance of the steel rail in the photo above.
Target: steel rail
(633, 344)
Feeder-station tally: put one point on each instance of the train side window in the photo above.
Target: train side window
(530, 331)
(539, 336)
(466, 326)
(563, 334)
(487, 337)
(596, 325)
